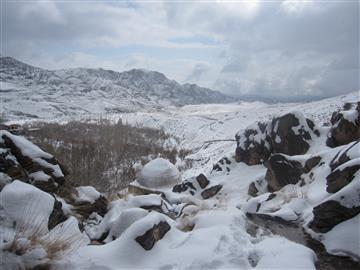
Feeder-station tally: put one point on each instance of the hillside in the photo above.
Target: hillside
(31, 92)
(271, 187)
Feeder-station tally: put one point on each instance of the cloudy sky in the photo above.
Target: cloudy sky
(266, 48)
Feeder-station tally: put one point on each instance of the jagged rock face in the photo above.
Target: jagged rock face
(151, 236)
(282, 171)
(330, 213)
(345, 127)
(289, 134)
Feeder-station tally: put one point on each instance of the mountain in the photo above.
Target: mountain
(29, 91)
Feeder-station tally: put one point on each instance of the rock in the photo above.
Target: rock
(253, 144)
(281, 172)
(344, 155)
(289, 134)
(222, 164)
(10, 167)
(341, 177)
(159, 173)
(151, 236)
(345, 127)
(330, 213)
(186, 185)
(57, 215)
(85, 209)
(253, 191)
(211, 192)
(35, 162)
(311, 163)
(202, 180)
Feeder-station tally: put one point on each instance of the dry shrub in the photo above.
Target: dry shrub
(31, 233)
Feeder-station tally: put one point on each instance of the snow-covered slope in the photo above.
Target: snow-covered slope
(28, 91)
(202, 128)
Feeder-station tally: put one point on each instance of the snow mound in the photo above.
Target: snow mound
(159, 173)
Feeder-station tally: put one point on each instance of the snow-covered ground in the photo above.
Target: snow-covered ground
(198, 126)
(213, 233)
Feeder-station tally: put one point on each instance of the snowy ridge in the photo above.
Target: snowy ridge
(30, 92)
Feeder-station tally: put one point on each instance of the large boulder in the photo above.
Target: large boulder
(345, 127)
(159, 173)
(289, 134)
(282, 171)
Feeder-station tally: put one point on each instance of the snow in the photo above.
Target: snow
(39, 176)
(27, 204)
(219, 238)
(32, 151)
(350, 116)
(27, 148)
(159, 173)
(280, 253)
(87, 194)
(344, 238)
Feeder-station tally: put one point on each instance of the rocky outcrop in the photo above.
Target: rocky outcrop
(289, 134)
(345, 127)
(151, 236)
(330, 213)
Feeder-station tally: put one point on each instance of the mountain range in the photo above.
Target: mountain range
(32, 92)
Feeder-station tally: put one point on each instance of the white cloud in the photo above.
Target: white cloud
(270, 48)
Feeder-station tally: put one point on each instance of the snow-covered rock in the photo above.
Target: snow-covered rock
(289, 134)
(345, 127)
(159, 173)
